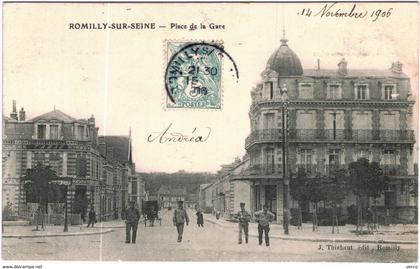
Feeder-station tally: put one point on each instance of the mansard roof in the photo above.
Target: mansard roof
(387, 73)
(55, 115)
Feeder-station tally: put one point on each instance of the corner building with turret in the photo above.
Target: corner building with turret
(334, 117)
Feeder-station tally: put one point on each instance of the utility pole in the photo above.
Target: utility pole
(285, 101)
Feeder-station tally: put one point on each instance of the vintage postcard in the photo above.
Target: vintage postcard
(262, 132)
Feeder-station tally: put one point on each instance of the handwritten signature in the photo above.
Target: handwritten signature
(166, 135)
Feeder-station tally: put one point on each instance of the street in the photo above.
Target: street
(211, 243)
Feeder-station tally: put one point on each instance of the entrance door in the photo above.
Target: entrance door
(271, 199)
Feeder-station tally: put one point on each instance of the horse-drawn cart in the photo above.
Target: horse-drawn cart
(150, 211)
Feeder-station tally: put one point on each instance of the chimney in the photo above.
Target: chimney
(102, 145)
(110, 153)
(91, 120)
(396, 67)
(14, 114)
(22, 114)
(319, 64)
(342, 67)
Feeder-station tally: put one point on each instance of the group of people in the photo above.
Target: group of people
(263, 218)
(180, 219)
(92, 217)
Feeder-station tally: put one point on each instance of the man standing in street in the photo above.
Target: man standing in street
(131, 222)
(244, 218)
(180, 217)
(264, 217)
(92, 217)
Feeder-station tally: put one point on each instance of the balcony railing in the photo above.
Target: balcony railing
(275, 135)
(44, 142)
(312, 169)
(265, 169)
(308, 169)
(391, 169)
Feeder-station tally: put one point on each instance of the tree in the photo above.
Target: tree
(366, 180)
(298, 191)
(39, 187)
(335, 192)
(316, 192)
(415, 193)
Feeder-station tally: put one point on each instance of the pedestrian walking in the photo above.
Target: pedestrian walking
(92, 217)
(369, 218)
(264, 217)
(200, 218)
(131, 222)
(82, 216)
(244, 218)
(180, 217)
(151, 217)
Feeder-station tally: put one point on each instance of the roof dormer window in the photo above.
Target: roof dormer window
(54, 131)
(361, 91)
(80, 132)
(389, 92)
(334, 91)
(269, 90)
(306, 91)
(41, 131)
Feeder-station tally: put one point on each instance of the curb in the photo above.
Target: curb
(58, 234)
(218, 223)
(332, 240)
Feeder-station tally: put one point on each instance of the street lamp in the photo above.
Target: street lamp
(285, 102)
(66, 225)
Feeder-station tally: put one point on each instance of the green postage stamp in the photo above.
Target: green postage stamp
(193, 75)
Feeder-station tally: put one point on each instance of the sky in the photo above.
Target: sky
(118, 75)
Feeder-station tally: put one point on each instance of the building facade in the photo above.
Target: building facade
(205, 198)
(137, 189)
(72, 148)
(333, 117)
(169, 197)
(227, 193)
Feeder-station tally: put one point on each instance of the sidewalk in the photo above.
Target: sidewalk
(57, 230)
(395, 234)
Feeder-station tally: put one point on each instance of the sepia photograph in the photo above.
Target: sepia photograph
(210, 132)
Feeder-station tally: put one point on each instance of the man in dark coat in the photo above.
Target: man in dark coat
(131, 222)
(180, 217)
(200, 219)
(92, 217)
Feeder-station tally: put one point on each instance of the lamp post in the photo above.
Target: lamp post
(66, 225)
(285, 102)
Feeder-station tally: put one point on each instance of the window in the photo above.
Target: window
(42, 131)
(334, 91)
(80, 132)
(363, 153)
(333, 159)
(389, 157)
(389, 120)
(362, 92)
(39, 157)
(53, 131)
(134, 187)
(55, 161)
(269, 89)
(306, 160)
(81, 166)
(306, 91)
(388, 92)
(269, 160)
(269, 121)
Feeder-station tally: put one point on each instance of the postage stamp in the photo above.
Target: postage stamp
(193, 75)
